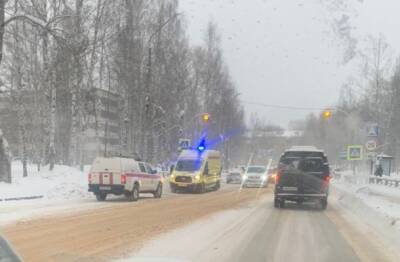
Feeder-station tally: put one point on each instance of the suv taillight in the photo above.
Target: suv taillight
(90, 178)
(278, 176)
(123, 179)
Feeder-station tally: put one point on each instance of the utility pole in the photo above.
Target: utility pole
(148, 113)
(107, 114)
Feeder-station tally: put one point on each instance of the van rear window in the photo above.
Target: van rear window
(306, 164)
(303, 154)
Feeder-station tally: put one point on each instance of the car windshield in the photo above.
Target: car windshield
(256, 169)
(188, 165)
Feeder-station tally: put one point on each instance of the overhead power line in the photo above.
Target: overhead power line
(284, 106)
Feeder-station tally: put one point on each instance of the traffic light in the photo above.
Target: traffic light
(327, 114)
(205, 117)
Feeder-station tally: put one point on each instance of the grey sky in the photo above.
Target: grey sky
(283, 51)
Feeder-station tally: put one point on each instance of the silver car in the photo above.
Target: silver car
(255, 176)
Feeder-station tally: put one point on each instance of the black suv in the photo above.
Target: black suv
(303, 175)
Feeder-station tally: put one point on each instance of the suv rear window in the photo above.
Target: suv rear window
(304, 164)
(312, 165)
(303, 154)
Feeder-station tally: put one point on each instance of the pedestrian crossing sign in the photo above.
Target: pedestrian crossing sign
(355, 152)
(372, 130)
(184, 143)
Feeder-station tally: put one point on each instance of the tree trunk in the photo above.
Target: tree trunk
(2, 26)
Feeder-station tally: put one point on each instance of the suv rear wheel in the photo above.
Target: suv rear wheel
(279, 203)
(101, 196)
(276, 203)
(324, 203)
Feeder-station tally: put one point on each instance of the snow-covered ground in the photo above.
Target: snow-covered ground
(62, 183)
(377, 205)
(63, 189)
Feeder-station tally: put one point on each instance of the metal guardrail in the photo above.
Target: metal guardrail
(387, 181)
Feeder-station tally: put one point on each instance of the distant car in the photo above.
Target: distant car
(123, 176)
(234, 176)
(255, 176)
(6, 252)
(303, 175)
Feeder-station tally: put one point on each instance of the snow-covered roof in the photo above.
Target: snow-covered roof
(304, 149)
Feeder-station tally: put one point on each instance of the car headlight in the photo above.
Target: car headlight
(197, 177)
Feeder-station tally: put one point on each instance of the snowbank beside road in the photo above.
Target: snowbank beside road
(63, 189)
(377, 205)
(61, 183)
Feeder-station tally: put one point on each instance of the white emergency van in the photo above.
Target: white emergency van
(123, 176)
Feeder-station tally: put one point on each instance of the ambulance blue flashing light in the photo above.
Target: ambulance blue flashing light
(201, 147)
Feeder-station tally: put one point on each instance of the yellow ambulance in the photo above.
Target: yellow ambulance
(196, 171)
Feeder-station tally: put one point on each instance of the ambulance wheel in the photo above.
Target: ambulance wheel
(101, 196)
(202, 188)
(217, 186)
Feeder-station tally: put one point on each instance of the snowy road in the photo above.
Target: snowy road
(116, 226)
(296, 234)
(228, 225)
(13, 211)
(262, 233)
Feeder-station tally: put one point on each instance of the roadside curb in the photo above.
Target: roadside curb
(20, 198)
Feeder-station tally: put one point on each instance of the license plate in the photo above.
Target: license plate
(105, 188)
(182, 185)
(290, 188)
